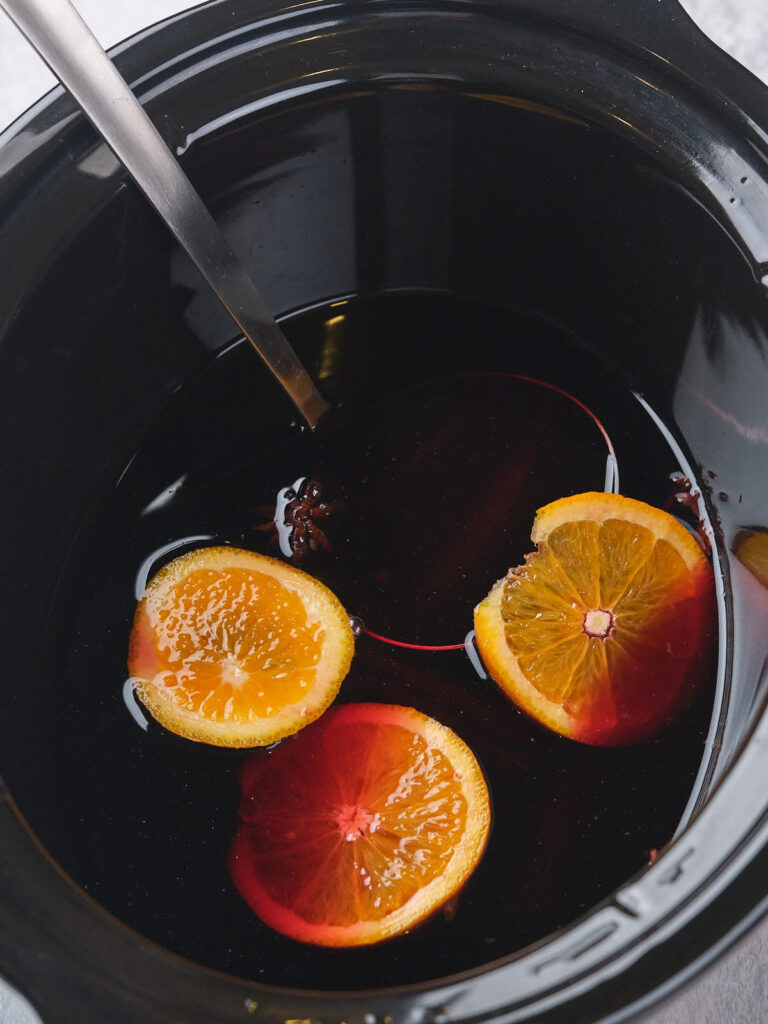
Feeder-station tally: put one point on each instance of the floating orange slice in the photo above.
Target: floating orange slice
(236, 649)
(360, 827)
(752, 552)
(600, 634)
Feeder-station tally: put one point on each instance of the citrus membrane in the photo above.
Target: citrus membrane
(235, 649)
(600, 634)
(360, 827)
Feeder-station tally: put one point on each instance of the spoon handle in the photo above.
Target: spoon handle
(73, 53)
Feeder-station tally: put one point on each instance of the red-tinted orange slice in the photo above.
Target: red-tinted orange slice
(236, 649)
(360, 827)
(601, 632)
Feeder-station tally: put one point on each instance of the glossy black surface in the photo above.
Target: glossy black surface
(633, 211)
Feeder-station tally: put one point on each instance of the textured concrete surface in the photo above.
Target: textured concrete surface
(739, 26)
(14, 1009)
(732, 991)
(735, 990)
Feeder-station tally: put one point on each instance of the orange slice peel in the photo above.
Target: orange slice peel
(361, 827)
(235, 649)
(601, 633)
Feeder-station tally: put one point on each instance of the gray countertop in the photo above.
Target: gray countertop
(735, 989)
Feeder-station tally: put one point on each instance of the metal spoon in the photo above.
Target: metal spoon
(73, 53)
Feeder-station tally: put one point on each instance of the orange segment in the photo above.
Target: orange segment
(236, 649)
(598, 634)
(752, 552)
(360, 827)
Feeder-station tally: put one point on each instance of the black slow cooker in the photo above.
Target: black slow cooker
(615, 179)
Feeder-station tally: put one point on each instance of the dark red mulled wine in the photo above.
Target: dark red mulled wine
(453, 422)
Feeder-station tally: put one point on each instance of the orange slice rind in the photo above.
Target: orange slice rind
(235, 649)
(599, 507)
(600, 634)
(361, 827)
